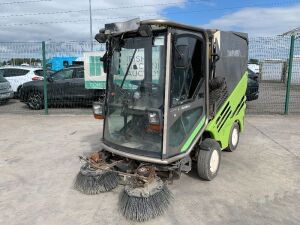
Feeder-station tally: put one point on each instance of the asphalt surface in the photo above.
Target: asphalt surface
(259, 183)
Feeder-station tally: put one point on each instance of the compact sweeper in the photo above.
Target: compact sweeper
(175, 98)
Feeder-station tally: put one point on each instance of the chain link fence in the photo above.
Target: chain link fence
(272, 55)
(269, 55)
(22, 62)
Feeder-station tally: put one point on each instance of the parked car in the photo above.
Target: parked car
(18, 75)
(253, 67)
(253, 86)
(65, 87)
(5, 90)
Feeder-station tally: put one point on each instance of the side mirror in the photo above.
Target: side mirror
(98, 110)
(50, 79)
(101, 37)
(181, 55)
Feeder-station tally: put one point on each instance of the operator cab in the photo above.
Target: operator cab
(156, 83)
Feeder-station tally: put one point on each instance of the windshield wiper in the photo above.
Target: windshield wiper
(127, 70)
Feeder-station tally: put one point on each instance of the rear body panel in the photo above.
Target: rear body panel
(232, 110)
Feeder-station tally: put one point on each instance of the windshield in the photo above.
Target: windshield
(135, 90)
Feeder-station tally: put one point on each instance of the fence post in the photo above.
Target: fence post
(45, 79)
(289, 78)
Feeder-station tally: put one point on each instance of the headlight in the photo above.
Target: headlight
(153, 118)
(98, 110)
(154, 122)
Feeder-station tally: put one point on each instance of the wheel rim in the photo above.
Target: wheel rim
(34, 101)
(235, 137)
(214, 161)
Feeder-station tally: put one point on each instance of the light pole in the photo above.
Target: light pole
(91, 25)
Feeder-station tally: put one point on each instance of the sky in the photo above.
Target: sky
(57, 20)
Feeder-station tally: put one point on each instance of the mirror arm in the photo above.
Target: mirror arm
(215, 58)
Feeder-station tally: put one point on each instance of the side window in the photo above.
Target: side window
(21, 72)
(63, 74)
(39, 73)
(79, 73)
(188, 69)
(2, 73)
(66, 63)
(8, 72)
(15, 72)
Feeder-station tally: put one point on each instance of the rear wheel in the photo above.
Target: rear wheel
(35, 100)
(234, 137)
(208, 160)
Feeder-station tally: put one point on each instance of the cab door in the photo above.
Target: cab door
(186, 111)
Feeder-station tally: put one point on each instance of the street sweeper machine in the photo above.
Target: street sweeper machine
(175, 98)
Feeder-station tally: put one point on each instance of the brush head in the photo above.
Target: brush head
(91, 181)
(145, 203)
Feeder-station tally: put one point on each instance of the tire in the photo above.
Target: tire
(17, 94)
(35, 100)
(216, 83)
(234, 137)
(208, 160)
(217, 94)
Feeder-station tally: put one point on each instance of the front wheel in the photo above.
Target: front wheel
(208, 160)
(35, 100)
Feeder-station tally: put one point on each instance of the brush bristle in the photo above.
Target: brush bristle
(94, 184)
(145, 208)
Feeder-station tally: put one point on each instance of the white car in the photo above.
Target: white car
(253, 67)
(18, 75)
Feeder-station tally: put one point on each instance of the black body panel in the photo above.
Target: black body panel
(232, 48)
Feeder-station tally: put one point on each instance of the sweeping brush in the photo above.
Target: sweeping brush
(142, 204)
(94, 181)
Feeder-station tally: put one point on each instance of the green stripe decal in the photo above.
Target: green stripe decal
(193, 135)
